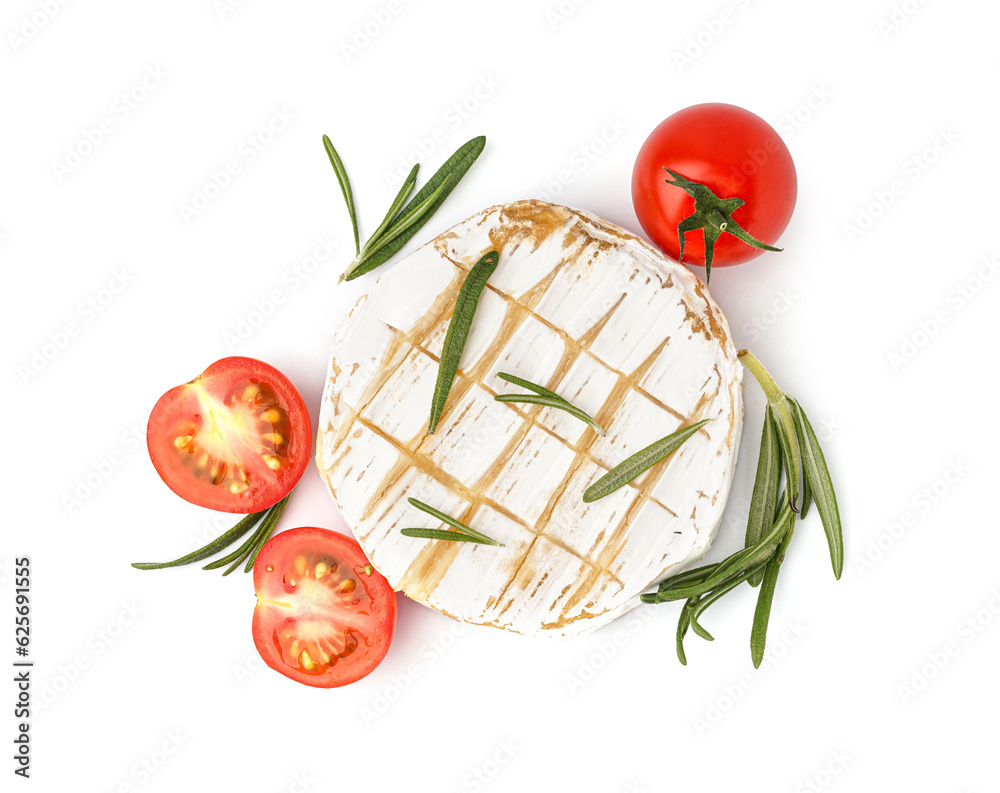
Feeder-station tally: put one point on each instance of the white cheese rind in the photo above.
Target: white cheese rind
(600, 317)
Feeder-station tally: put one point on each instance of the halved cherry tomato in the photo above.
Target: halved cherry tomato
(237, 438)
(324, 615)
(736, 155)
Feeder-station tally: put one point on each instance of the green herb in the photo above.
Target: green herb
(789, 450)
(267, 519)
(270, 522)
(458, 332)
(401, 222)
(702, 587)
(804, 464)
(216, 545)
(820, 486)
(713, 214)
(345, 187)
(639, 463)
(761, 615)
(543, 396)
(731, 567)
(764, 502)
(463, 534)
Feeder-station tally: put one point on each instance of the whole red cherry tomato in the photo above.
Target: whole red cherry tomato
(721, 174)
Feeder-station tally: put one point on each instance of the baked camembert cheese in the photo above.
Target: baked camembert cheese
(587, 310)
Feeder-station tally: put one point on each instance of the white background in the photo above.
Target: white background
(884, 680)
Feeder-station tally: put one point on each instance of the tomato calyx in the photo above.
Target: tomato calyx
(713, 214)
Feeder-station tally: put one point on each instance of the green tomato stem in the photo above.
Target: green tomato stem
(717, 219)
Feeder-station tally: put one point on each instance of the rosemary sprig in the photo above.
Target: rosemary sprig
(544, 396)
(458, 333)
(216, 545)
(463, 533)
(270, 521)
(702, 587)
(401, 222)
(789, 450)
(266, 518)
(640, 462)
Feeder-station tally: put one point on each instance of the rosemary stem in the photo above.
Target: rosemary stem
(762, 376)
(778, 400)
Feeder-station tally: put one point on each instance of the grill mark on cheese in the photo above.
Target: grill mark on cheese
(569, 341)
(584, 588)
(546, 516)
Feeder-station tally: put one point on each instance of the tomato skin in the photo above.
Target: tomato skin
(318, 594)
(218, 423)
(734, 153)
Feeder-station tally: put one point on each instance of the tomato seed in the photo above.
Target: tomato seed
(219, 473)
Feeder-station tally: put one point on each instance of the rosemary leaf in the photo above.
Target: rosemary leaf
(704, 602)
(397, 229)
(683, 623)
(639, 463)
(544, 396)
(791, 453)
(401, 196)
(445, 534)
(557, 403)
(222, 541)
(345, 187)
(763, 503)
(528, 385)
(761, 615)
(807, 497)
(455, 524)
(458, 333)
(452, 171)
(695, 625)
(689, 576)
(821, 486)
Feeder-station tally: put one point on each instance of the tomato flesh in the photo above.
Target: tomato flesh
(236, 438)
(734, 153)
(324, 616)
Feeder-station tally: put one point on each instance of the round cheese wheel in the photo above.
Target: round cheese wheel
(587, 310)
